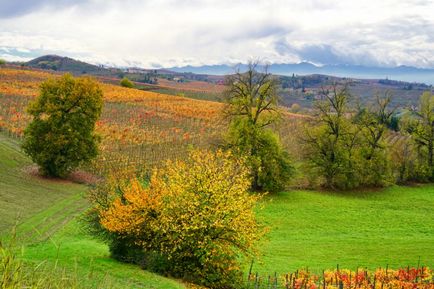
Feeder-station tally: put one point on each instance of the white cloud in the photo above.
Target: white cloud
(171, 33)
(11, 57)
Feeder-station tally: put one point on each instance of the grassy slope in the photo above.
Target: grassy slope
(319, 230)
(18, 197)
(50, 230)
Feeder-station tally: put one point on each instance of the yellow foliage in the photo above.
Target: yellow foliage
(199, 209)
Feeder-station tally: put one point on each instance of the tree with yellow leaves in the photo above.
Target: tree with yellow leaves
(197, 214)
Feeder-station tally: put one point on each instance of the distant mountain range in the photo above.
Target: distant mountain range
(403, 73)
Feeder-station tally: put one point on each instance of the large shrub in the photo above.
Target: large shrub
(61, 135)
(195, 217)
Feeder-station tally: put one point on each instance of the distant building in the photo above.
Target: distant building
(136, 70)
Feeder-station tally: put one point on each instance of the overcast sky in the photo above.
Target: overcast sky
(166, 33)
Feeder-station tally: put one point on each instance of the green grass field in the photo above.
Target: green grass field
(50, 232)
(311, 229)
(319, 230)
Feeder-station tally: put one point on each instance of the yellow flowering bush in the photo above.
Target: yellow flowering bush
(197, 214)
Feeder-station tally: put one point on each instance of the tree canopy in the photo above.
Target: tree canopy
(61, 135)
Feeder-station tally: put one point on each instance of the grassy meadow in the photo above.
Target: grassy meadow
(306, 228)
(319, 230)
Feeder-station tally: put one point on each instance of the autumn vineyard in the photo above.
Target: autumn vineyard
(137, 127)
(347, 279)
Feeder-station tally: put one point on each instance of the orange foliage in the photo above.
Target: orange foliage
(137, 127)
(199, 86)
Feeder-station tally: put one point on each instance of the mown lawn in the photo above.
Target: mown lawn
(371, 229)
(49, 231)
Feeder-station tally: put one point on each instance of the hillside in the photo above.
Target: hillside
(50, 230)
(300, 83)
(60, 63)
(138, 127)
(306, 228)
(18, 197)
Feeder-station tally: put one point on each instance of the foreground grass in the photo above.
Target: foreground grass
(319, 230)
(73, 249)
(51, 237)
(307, 228)
(21, 194)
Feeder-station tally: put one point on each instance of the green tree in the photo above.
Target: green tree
(125, 82)
(252, 107)
(2, 62)
(347, 148)
(373, 122)
(331, 141)
(61, 135)
(420, 125)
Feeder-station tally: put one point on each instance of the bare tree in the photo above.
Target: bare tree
(253, 95)
(251, 106)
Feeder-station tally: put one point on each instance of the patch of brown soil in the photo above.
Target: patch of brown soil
(80, 177)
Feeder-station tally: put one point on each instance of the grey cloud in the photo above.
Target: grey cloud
(176, 32)
(15, 8)
(324, 54)
(260, 31)
(317, 53)
(410, 26)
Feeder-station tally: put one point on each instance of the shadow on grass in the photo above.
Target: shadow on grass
(359, 193)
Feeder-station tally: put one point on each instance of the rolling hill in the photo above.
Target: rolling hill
(65, 64)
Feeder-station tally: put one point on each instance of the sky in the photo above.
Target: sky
(169, 33)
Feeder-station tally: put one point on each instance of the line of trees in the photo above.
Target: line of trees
(346, 147)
